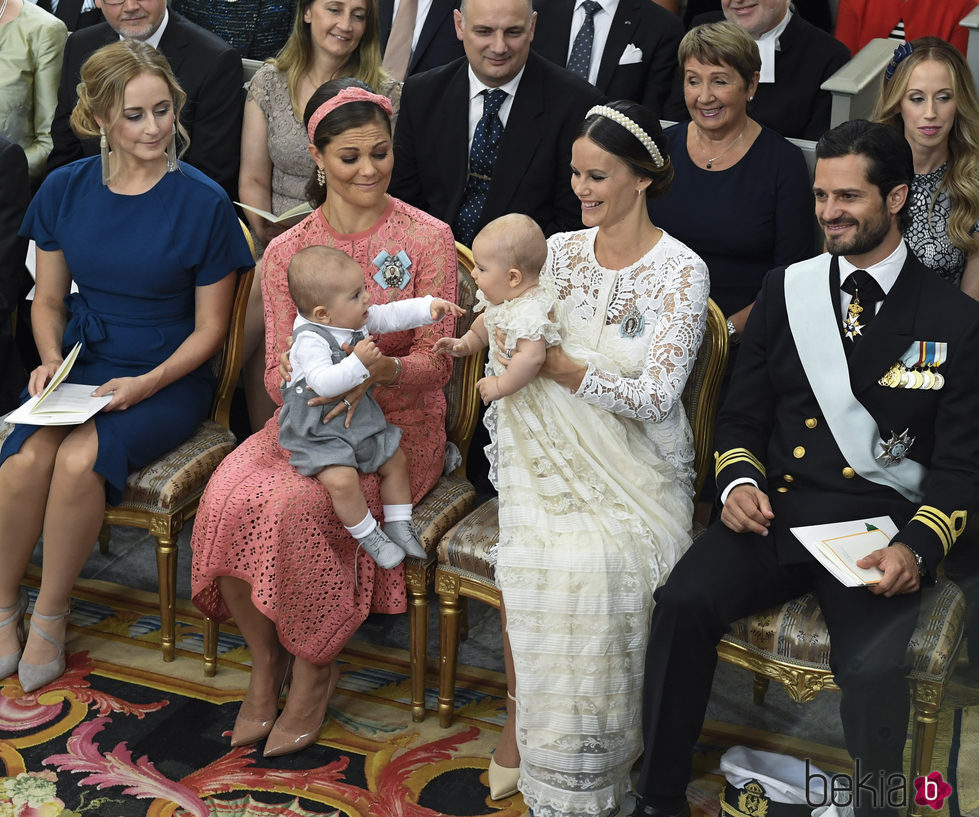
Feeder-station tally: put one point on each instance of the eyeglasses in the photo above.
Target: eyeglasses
(118, 2)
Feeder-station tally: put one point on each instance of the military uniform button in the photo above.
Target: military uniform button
(849, 473)
(798, 452)
(789, 478)
(782, 490)
(811, 422)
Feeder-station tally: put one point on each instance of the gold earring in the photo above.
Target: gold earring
(320, 177)
(172, 151)
(104, 152)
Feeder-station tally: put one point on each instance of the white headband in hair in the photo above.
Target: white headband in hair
(633, 128)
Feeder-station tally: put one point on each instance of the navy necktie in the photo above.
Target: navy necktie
(482, 161)
(580, 60)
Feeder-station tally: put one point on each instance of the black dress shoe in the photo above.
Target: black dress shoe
(644, 809)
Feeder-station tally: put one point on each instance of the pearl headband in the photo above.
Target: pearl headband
(633, 128)
(353, 94)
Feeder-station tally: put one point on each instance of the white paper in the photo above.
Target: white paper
(290, 217)
(69, 404)
(838, 545)
(61, 403)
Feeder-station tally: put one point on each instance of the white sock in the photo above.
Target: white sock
(363, 527)
(397, 513)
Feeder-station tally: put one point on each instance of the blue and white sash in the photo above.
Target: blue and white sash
(814, 323)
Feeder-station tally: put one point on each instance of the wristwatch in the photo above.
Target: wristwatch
(918, 560)
(732, 333)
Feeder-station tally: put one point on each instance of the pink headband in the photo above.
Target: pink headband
(352, 94)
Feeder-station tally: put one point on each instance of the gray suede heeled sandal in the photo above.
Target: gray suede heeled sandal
(8, 663)
(35, 676)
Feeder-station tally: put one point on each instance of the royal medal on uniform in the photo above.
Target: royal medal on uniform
(851, 323)
(896, 448)
(892, 377)
(632, 324)
(392, 270)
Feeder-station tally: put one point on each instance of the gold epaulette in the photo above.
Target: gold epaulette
(722, 461)
(947, 528)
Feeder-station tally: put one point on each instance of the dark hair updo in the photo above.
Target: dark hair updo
(347, 116)
(616, 139)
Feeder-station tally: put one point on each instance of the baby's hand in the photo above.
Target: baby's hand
(450, 346)
(367, 351)
(441, 308)
(488, 389)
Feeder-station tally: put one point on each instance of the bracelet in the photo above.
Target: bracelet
(398, 369)
(732, 333)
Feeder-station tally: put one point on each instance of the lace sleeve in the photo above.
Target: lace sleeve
(673, 300)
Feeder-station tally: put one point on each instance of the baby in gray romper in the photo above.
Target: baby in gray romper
(334, 308)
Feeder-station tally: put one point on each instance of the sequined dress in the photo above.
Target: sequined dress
(595, 508)
(928, 234)
(260, 521)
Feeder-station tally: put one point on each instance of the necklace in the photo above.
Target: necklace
(710, 161)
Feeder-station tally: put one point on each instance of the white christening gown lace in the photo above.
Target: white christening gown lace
(595, 508)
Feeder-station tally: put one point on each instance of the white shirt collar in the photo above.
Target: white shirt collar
(477, 86)
(768, 45)
(883, 272)
(157, 35)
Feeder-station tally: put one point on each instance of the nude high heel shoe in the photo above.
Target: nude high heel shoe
(502, 779)
(282, 742)
(247, 731)
(8, 663)
(35, 676)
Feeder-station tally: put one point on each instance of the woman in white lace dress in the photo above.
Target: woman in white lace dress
(595, 476)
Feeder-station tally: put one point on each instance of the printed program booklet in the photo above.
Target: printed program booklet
(838, 545)
(61, 404)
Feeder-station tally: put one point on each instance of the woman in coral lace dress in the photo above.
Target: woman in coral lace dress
(268, 548)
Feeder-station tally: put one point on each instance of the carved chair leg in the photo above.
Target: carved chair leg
(104, 539)
(759, 688)
(926, 699)
(418, 638)
(166, 568)
(210, 646)
(449, 609)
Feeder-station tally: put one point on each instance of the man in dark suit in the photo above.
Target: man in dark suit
(441, 108)
(434, 40)
(75, 14)
(796, 58)
(817, 428)
(15, 195)
(208, 69)
(634, 47)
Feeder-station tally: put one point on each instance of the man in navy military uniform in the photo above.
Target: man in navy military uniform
(835, 413)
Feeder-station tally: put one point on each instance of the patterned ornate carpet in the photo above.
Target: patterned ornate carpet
(125, 734)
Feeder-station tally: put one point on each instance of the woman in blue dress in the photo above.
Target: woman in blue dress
(153, 246)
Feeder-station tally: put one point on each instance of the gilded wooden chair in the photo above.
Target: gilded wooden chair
(465, 570)
(790, 644)
(163, 495)
(448, 502)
